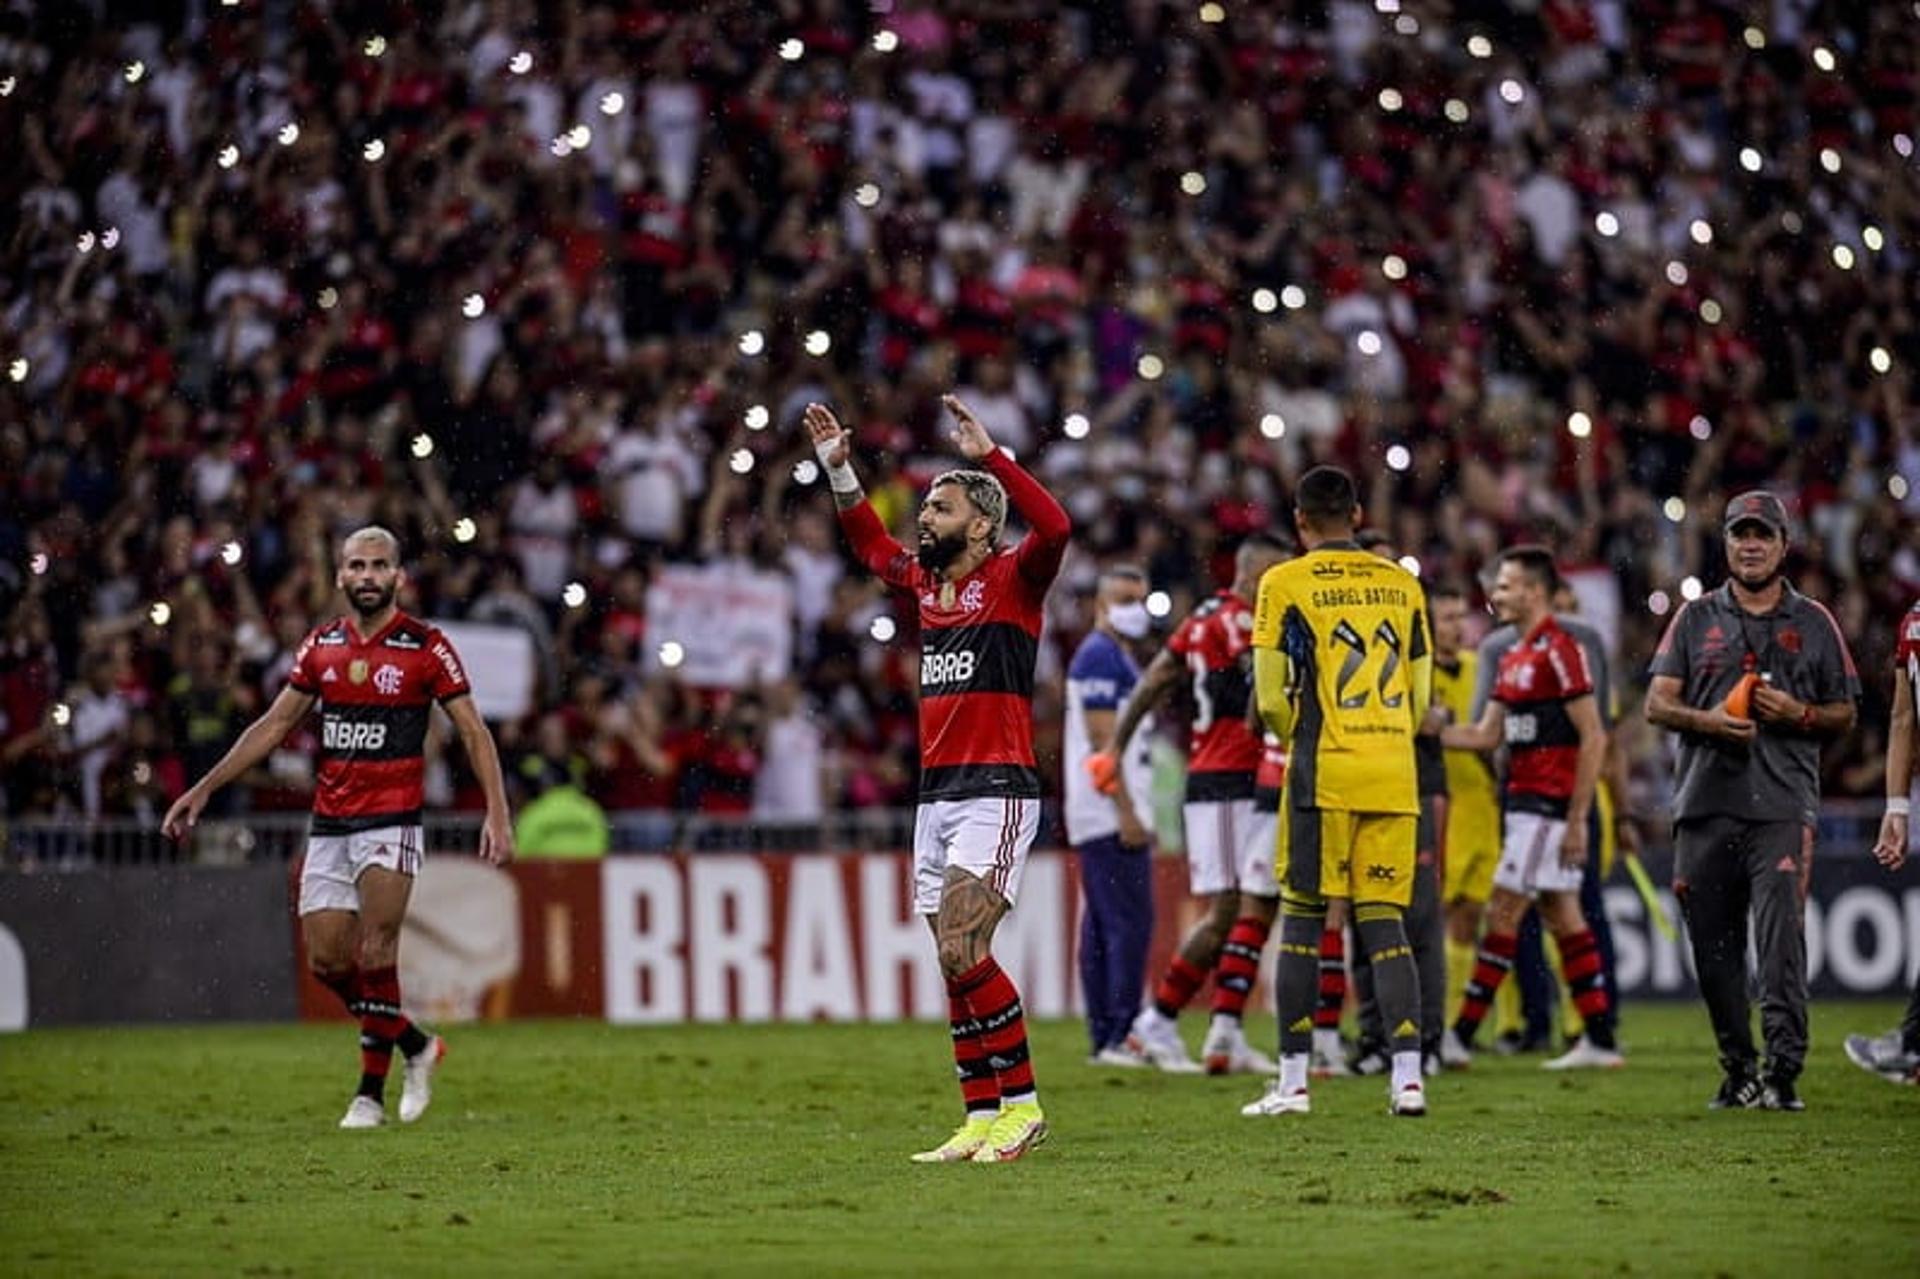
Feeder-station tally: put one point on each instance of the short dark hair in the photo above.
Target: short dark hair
(1446, 589)
(1537, 563)
(1325, 497)
(1262, 540)
(1122, 573)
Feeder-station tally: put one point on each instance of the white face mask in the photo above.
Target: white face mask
(1129, 620)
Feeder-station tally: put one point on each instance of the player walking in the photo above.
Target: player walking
(1748, 790)
(1230, 840)
(376, 673)
(980, 614)
(1543, 708)
(1343, 667)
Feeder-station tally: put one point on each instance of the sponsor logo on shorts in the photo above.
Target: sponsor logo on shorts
(1378, 873)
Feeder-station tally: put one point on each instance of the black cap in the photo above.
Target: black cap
(1759, 506)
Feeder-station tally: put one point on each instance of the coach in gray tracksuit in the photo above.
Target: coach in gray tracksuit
(1748, 790)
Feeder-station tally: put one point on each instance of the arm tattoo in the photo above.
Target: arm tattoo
(848, 500)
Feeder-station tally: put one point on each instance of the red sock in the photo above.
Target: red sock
(1580, 965)
(979, 1086)
(1239, 965)
(1333, 979)
(1176, 986)
(1490, 968)
(995, 1005)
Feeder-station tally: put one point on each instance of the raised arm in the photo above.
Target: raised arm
(252, 746)
(872, 545)
(1040, 554)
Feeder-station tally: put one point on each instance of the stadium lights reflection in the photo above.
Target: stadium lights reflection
(464, 530)
(373, 151)
(1700, 428)
(1749, 159)
(1659, 604)
(1579, 425)
(473, 306)
(229, 156)
(818, 343)
(792, 49)
(161, 613)
(806, 471)
(1675, 509)
(1076, 426)
(882, 629)
(613, 104)
(1457, 111)
(752, 342)
(573, 595)
(1159, 604)
(1265, 300)
(421, 446)
(1273, 426)
(289, 134)
(520, 63)
(1880, 360)
(672, 654)
(1193, 182)
(1150, 367)
(1293, 297)
(1690, 588)
(886, 41)
(231, 553)
(757, 417)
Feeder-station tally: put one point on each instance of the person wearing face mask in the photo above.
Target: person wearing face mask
(1753, 677)
(1230, 842)
(1111, 842)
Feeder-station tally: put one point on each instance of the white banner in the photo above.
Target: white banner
(500, 666)
(732, 625)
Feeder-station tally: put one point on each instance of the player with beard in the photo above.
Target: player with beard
(376, 674)
(1753, 677)
(980, 614)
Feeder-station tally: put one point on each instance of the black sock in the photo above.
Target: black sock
(374, 1086)
(412, 1041)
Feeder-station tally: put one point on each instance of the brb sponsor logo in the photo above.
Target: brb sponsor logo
(347, 735)
(947, 668)
(1522, 729)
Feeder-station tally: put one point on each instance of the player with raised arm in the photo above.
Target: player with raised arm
(980, 615)
(376, 674)
(1229, 840)
(1543, 708)
(1343, 669)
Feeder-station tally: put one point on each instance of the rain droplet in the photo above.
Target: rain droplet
(1159, 603)
(1872, 238)
(374, 150)
(613, 104)
(1897, 487)
(1150, 367)
(1410, 563)
(885, 41)
(1390, 100)
(672, 653)
(1750, 159)
(1700, 428)
(806, 471)
(1710, 311)
(1480, 46)
(520, 63)
(1457, 111)
(229, 156)
(1606, 223)
(110, 238)
(1701, 231)
(135, 70)
(573, 594)
(1829, 159)
(1193, 182)
(1394, 267)
(1903, 146)
(1659, 604)
(1690, 587)
(1076, 426)
(752, 342)
(1293, 297)
(1407, 25)
(375, 46)
(1879, 359)
(1676, 273)
(160, 613)
(289, 134)
(1265, 300)
(6, 87)
(818, 343)
(1511, 92)
(1398, 457)
(19, 369)
(580, 136)
(39, 563)
(231, 553)
(882, 629)
(62, 714)
(421, 446)
(792, 49)
(561, 147)
(329, 298)
(85, 242)
(1368, 342)
(1843, 257)
(473, 306)
(866, 195)
(757, 417)
(1273, 426)
(1755, 38)
(1579, 425)
(1823, 57)
(1674, 508)
(740, 462)
(1212, 14)
(464, 530)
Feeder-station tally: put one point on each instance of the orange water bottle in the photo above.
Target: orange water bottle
(1739, 703)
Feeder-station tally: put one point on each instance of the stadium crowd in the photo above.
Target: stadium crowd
(544, 288)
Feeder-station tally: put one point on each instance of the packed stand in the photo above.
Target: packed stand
(544, 287)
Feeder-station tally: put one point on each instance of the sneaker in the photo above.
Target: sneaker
(1227, 1052)
(965, 1143)
(1886, 1056)
(1158, 1043)
(1372, 1061)
(364, 1112)
(1409, 1102)
(1586, 1055)
(1276, 1102)
(1018, 1130)
(1454, 1053)
(1117, 1055)
(1738, 1092)
(1331, 1066)
(416, 1087)
(1779, 1094)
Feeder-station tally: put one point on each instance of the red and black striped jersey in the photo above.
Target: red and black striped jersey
(1271, 777)
(979, 639)
(1537, 678)
(1223, 751)
(375, 695)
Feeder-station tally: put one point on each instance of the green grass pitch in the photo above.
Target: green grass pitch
(578, 1148)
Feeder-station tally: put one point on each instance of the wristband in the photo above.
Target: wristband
(841, 478)
(1806, 718)
(1899, 806)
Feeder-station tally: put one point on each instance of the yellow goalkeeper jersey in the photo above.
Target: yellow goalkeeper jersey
(1470, 775)
(1343, 669)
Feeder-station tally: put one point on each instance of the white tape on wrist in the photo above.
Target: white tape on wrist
(841, 478)
(1899, 807)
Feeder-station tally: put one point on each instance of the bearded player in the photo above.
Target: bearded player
(376, 674)
(1229, 837)
(980, 614)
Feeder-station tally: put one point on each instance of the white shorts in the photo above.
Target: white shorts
(1230, 845)
(1530, 856)
(330, 880)
(986, 837)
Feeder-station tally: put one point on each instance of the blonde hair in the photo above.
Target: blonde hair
(986, 494)
(372, 533)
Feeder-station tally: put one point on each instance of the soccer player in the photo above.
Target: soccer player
(1343, 668)
(376, 673)
(1111, 842)
(1748, 791)
(1229, 844)
(1895, 1056)
(980, 614)
(1543, 708)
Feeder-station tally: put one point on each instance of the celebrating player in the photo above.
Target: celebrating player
(1748, 790)
(980, 613)
(376, 674)
(1543, 708)
(1229, 840)
(1343, 669)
